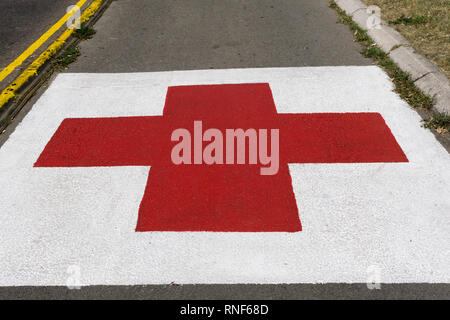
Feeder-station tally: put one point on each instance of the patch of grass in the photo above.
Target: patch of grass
(84, 33)
(440, 122)
(404, 86)
(69, 56)
(424, 23)
(414, 20)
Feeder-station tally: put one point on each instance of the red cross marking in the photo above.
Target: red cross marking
(219, 197)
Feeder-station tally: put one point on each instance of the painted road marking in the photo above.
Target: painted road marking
(10, 92)
(355, 216)
(38, 43)
(218, 198)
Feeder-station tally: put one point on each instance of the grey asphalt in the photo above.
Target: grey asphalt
(161, 35)
(332, 291)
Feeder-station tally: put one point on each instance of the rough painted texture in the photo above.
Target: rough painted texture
(228, 197)
(392, 215)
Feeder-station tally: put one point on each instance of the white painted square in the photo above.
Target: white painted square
(392, 215)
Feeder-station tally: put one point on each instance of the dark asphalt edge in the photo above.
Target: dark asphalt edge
(327, 291)
(27, 91)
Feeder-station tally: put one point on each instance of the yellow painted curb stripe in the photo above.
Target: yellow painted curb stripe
(5, 72)
(31, 71)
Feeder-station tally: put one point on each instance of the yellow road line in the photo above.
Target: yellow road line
(31, 71)
(5, 72)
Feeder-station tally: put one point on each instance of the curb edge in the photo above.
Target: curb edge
(425, 74)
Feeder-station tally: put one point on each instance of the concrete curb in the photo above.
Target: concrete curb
(425, 74)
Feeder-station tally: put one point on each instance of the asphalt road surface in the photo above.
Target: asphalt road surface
(139, 35)
(162, 35)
